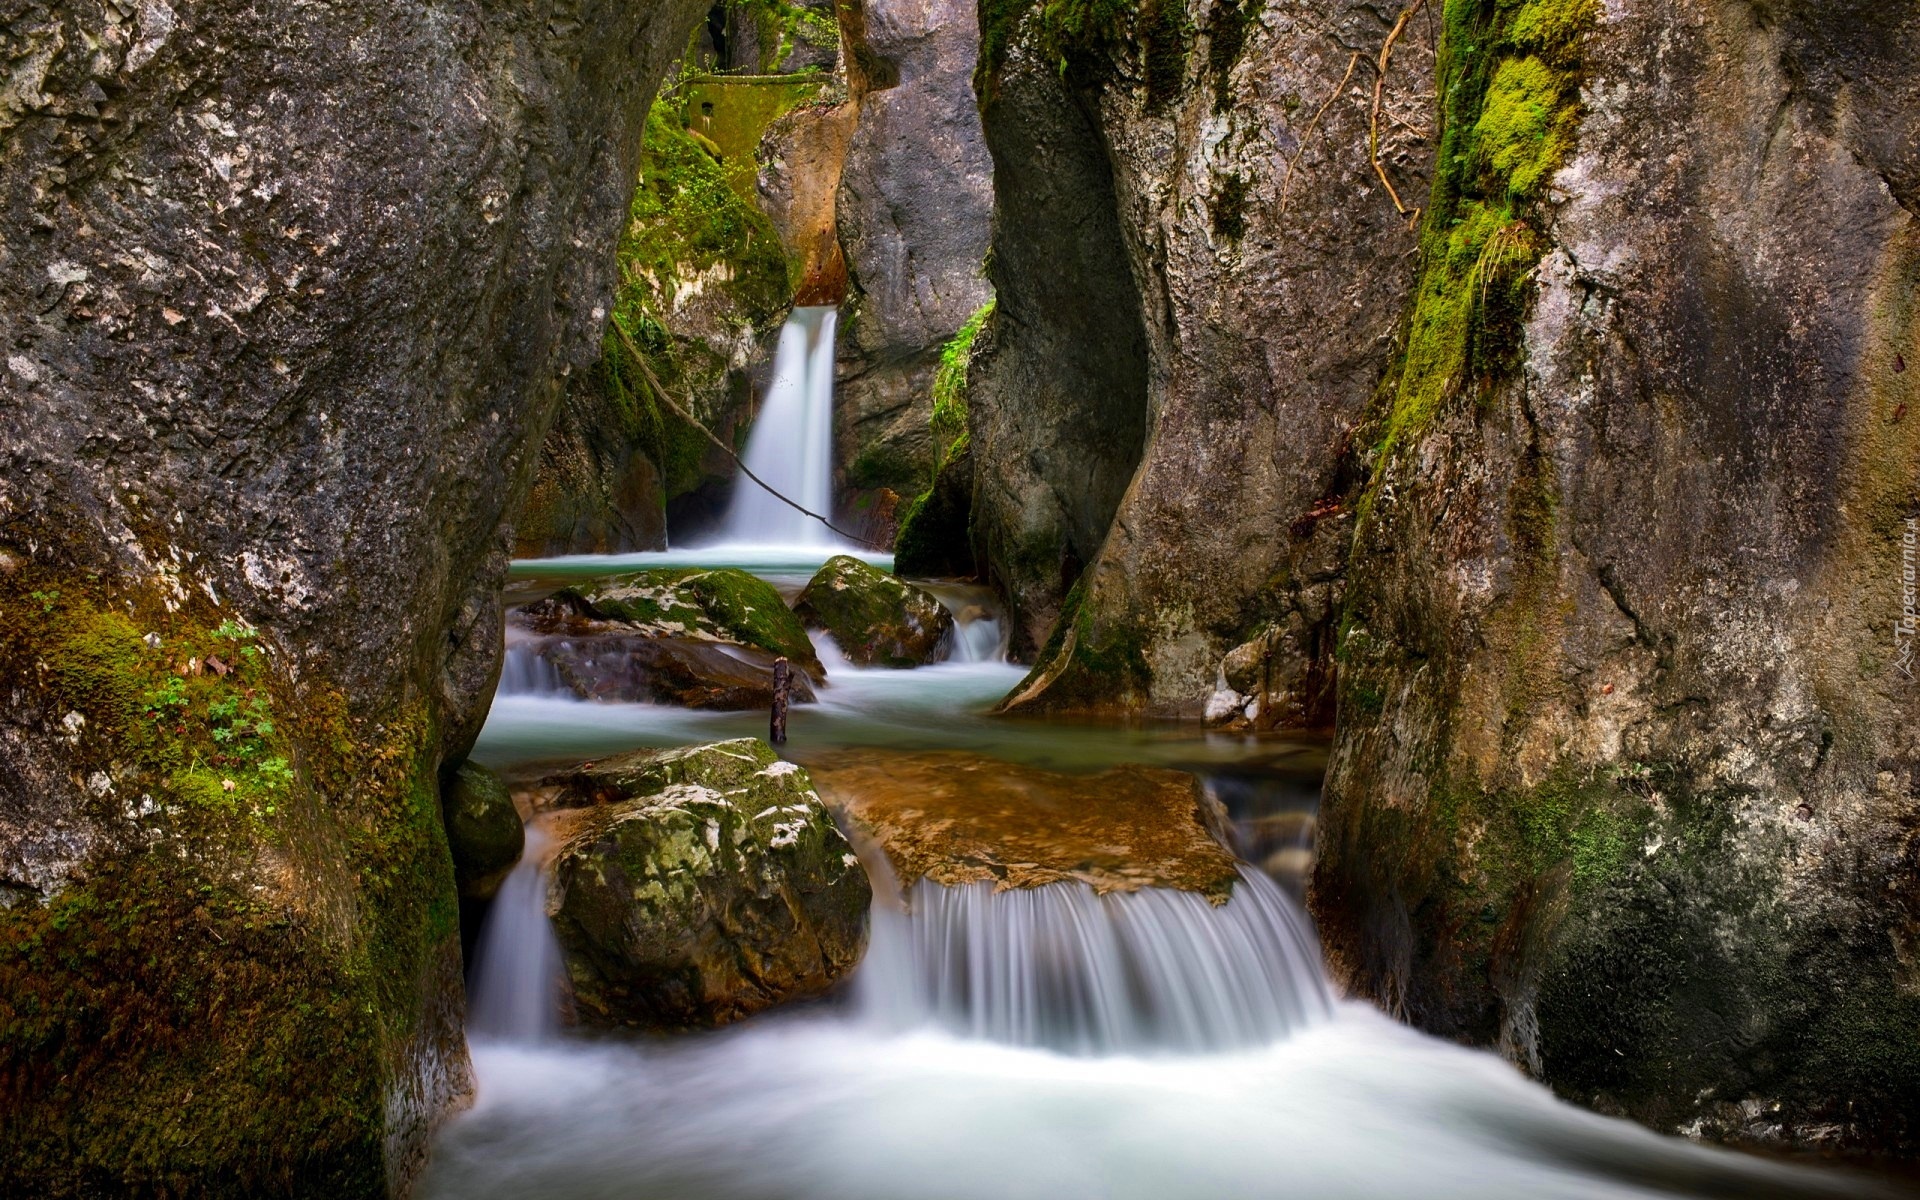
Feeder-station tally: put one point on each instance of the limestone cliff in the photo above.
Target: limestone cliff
(1200, 270)
(1627, 771)
(285, 294)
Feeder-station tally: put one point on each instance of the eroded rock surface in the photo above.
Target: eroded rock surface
(1240, 225)
(1626, 770)
(876, 619)
(285, 295)
(696, 886)
(958, 818)
(484, 833)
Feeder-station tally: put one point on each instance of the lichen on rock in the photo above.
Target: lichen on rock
(697, 886)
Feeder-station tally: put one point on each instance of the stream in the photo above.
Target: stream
(1041, 1043)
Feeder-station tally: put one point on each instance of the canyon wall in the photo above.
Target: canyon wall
(1200, 274)
(1625, 776)
(286, 298)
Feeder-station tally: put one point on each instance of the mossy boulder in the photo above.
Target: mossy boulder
(483, 830)
(700, 885)
(724, 605)
(877, 620)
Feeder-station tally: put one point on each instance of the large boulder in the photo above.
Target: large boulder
(956, 818)
(286, 295)
(484, 832)
(876, 619)
(696, 886)
(693, 638)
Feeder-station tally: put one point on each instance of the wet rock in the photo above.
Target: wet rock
(667, 670)
(913, 208)
(723, 606)
(286, 296)
(876, 619)
(960, 818)
(1624, 603)
(484, 832)
(934, 539)
(696, 886)
(1188, 224)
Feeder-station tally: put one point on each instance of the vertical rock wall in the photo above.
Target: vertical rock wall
(1627, 768)
(284, 297)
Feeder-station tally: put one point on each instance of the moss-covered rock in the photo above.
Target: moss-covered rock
(484, 832)
(875, 618)
(696, 886)
(935, 531)
(723, 605)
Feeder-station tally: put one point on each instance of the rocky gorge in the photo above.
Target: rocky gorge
(1494, 411)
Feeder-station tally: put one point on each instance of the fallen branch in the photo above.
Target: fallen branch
(1286, 185)
(659, 390)
(1373, 117)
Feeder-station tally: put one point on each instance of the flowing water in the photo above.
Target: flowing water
(791, 446)
(1051, 1043)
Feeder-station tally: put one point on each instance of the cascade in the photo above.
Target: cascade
(515, 991)
(791, 446)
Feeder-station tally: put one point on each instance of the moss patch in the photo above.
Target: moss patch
(217, 1001)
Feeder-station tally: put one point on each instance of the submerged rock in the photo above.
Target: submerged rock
(700, 885)
(876, 619)
(484, 832)
(958, 818)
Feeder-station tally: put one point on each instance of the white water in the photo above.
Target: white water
(791, 446)
(1062, 968)
(514, 994)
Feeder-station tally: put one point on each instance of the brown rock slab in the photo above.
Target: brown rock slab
(959, 818)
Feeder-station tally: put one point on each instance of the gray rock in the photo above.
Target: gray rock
(285, 297)
(1626, 769)
(484, 833)
(1267, 269)
(697, 886)
(914, 201)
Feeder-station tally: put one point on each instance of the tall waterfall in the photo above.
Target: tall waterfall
(515, 991)
(1061, 967)
(791, 446)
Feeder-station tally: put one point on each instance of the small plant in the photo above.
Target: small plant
(275, 773)
(46, 600)
(169, 697)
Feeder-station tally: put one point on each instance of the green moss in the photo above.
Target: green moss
(215, 1003)
(949, 420)
(1228, 206)
(1227, 24)
(1166, 35)
(1086, 665)
(1509, 85)
(733, 113)
(720, 602)
(782, 27)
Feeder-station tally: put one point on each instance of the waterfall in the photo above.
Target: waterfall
(1062, 967)
(524, 673)
(515, 991)
(791, 446)
(977, 640)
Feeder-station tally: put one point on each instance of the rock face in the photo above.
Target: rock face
(914, 203)
(484, 833)
(281, 329)
(959, 818)
(876, 619)
(1627, 769)
(697, 886)
(1199, 276)
(692, 638)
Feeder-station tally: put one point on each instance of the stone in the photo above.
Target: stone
(1188, 225)
(724, 605)
(959, 818)
(934, 541)
(287, 298)
(1622, 592)
(614, 667)
(876, 619)
(696, 886)
(484, 832)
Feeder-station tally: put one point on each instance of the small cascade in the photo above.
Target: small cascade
(791, 446)
(514, 994)
(524, 673)
(1064, 968)
(978, 640)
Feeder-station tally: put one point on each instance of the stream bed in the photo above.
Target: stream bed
(1045, 1043)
